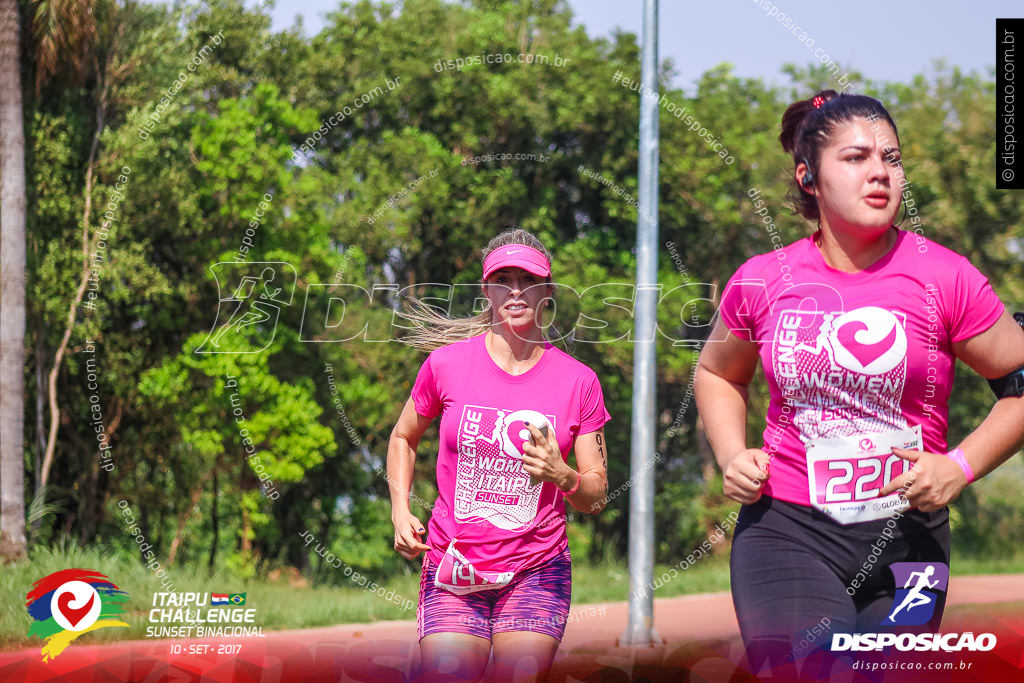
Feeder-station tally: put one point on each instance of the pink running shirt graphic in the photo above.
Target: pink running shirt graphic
(491, 484)
(855, 356)
(843, 373)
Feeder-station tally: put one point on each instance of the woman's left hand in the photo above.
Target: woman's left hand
(544, 461)
(934, 481)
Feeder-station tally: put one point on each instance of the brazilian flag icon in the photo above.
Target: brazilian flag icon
(237, 598)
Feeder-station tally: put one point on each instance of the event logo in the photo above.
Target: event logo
(68, 603)
(915, 602)
(869, 339)
(247, 320)
(252, 296)
(913, 642)
(515, 431)
(201, 615)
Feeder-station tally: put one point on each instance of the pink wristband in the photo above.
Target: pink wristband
(579, 478)
(957, 456)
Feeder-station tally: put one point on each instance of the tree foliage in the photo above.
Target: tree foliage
(401, 191)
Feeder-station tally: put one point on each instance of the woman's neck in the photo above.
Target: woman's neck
(851, 253)
(511, 350)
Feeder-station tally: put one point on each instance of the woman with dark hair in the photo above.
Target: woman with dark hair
(858, 328)
(497, 567)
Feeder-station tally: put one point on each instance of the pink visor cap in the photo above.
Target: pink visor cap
(517, 256)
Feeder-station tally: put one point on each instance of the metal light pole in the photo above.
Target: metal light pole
(640, 630)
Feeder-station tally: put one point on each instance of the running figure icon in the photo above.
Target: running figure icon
(915, 598)
(251, 297)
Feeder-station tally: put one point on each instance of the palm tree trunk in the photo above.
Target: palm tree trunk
(12, 288)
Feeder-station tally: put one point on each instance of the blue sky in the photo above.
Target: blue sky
(885, 41)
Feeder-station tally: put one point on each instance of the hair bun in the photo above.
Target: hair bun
(797, 113)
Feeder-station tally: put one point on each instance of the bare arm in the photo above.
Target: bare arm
(592, 459)
(544, 461)
(720, 387)
(936, 480)
(724, 371)
(401, 461)
(997, 351)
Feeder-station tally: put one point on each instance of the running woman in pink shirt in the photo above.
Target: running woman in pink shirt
(497, 567)
(858, 328)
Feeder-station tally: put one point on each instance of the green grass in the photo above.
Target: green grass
(609, 581)
(963, 565)
(282, 606)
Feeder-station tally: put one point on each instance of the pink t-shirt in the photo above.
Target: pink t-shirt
(485, 498)
(856, 354)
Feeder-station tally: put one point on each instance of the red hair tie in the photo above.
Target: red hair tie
(818, 101)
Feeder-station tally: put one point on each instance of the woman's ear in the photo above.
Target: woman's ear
(804, 178)
(487, 300)
(549, 293)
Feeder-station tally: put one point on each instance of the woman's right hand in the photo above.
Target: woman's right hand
(744, 475)
(408, 535)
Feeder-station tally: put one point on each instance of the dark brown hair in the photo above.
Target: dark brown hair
(807, 128)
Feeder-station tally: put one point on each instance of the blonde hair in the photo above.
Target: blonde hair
(432, 329)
